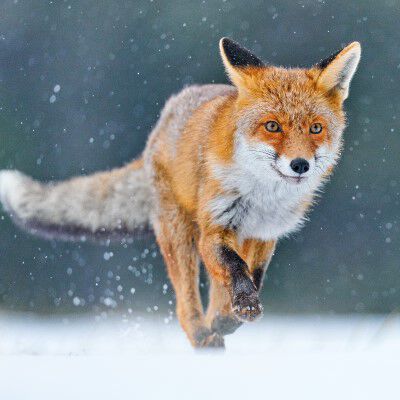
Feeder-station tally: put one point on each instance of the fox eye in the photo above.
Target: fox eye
(316, 128)
(273, 126)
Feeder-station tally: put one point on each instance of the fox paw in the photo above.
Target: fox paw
(225, 325)
(206, 339)
(247, 307)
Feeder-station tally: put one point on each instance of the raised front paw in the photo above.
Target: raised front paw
(247, 307)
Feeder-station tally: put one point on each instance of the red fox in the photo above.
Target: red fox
(226, 172)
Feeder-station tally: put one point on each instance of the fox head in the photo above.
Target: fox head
(289, 122)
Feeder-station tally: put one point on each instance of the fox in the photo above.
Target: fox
(227, 171)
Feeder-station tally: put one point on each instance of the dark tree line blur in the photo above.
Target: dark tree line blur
(82, 84)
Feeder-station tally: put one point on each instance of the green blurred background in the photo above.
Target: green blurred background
(116, 62)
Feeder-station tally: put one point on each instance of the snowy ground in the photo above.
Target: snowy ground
(278, 358)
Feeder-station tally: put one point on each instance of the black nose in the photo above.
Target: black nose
(300, 165)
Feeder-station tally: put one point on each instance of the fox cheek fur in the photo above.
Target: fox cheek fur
(213, 183)
(273, 160)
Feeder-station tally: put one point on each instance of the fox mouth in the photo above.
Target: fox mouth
(292, 179)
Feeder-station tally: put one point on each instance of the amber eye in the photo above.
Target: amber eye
(316, 128)
(273, 126)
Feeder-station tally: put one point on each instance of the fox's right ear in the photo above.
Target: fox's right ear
(237, 61)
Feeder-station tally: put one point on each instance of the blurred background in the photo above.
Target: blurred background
(81, 86)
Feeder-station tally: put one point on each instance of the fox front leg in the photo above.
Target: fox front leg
(228, 269)
(220, 316)
(245, 302)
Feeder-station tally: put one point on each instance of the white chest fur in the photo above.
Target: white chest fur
(263, 211)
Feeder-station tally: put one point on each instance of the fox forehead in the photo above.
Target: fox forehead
(293, 91)
(291, 94)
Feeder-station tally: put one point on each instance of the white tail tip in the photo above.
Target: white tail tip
(11, 184)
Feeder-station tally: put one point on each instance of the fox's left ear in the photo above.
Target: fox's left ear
(338, 69)
(237, 61)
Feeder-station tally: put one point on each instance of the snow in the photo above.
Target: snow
(141, 358)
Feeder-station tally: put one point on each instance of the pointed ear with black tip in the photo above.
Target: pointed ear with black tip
(237, 60)
(338, 69)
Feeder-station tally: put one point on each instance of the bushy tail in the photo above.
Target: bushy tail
(106, 205)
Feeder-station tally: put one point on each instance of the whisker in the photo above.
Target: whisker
(266, 153)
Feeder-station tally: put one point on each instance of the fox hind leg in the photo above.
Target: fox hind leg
(175, 237)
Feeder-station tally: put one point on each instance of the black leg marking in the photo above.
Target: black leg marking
(258, 277)
(245, 302)
(241, 283)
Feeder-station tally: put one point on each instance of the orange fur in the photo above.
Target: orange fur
(208, 138)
